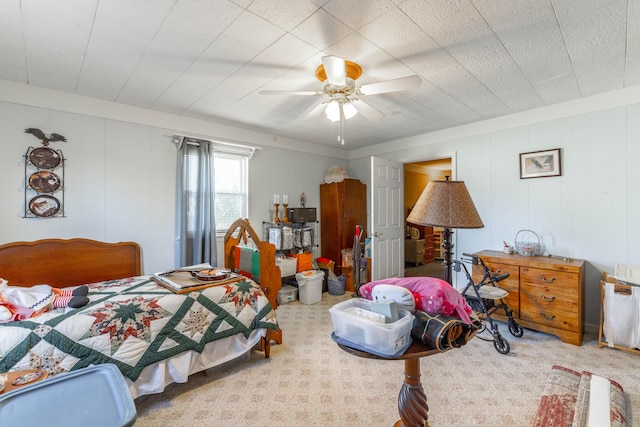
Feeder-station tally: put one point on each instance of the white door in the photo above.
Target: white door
(387, 219)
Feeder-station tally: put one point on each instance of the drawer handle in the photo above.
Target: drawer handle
(544, 316)
(546, 298)
(545, 280)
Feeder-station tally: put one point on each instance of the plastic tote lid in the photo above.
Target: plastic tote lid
(304, 276)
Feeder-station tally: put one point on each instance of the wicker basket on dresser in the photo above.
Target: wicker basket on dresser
(545, 294)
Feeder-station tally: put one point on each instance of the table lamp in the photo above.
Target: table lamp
(446, 204)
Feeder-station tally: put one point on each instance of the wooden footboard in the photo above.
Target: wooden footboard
(61, 263)
(241, 233)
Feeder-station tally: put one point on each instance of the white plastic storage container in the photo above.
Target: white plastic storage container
(310, 286)
(287, 266)
(351, 323)
(287, 294)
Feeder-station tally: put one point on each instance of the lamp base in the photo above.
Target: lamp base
(447, 246)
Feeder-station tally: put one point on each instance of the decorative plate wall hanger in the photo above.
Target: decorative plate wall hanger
(44, 178)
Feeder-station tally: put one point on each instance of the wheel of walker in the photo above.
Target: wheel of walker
(501, 345)
(515, 329)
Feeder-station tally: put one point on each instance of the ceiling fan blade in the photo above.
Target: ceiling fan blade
(335, 68)
(316, 109)
(368, 111)
(395, 85)
(290, 92)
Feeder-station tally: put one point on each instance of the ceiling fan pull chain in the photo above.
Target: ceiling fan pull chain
(341, 135)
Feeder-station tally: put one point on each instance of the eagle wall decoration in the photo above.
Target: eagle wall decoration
(46, 139)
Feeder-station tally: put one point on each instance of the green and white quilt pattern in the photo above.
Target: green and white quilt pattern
(133, 323)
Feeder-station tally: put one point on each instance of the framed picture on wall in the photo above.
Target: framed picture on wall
(539, 164)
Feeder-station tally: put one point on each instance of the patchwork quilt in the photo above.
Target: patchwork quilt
(133, 323)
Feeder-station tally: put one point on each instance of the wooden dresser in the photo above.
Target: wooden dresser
(545, 294)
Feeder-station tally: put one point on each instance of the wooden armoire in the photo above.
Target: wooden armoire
(343, 205)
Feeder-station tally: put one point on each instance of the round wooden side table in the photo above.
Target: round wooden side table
(412, 401)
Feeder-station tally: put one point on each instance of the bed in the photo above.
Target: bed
(154, 336)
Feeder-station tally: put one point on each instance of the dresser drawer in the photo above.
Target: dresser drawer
(543, 276)
(428, 241)
(550, 298)
(429, 254)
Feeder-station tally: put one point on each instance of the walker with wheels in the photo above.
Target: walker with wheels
(485, 298)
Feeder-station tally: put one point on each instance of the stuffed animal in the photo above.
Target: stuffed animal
(392, 293)
(18, 303)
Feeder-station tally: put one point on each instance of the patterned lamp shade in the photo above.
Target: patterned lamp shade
(445, 204)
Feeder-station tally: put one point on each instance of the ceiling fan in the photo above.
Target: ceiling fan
(342, 96)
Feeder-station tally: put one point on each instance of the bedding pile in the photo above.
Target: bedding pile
(442, 319)
(133, 323)
(433, 296)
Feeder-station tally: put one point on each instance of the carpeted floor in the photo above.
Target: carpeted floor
(309, 381)
(432, 269)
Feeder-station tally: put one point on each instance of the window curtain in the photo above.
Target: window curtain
(195, 202)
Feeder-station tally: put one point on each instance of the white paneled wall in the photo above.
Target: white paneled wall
(120, 181)
(591, 212)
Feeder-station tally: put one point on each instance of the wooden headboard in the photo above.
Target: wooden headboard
(61, 263)
(241, 233)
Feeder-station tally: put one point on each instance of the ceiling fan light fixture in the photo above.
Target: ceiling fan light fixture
(333, 110)
(349, 110)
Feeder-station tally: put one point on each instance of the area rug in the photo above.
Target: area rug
(565, 400)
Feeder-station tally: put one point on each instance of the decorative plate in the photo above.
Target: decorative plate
(45, 158)
(44, 206)
(44, 181)
(212, 274)
(28, 378)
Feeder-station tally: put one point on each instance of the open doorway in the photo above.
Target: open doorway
(423, 245)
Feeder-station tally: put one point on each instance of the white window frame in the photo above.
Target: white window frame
(225, 149)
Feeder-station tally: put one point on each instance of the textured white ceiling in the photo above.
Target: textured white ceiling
(208, 59)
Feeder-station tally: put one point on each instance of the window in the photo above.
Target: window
(231, 176)
(231, 172)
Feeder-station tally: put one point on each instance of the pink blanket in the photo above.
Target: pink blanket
(433, 296)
